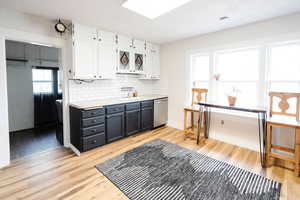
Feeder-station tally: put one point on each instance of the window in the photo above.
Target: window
(252, 71)
(239, 70)
(42, 81)
(285, 68)
(200, 71)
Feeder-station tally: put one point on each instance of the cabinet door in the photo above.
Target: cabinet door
(84, 52)
(124, 55)
(132, 122)
(48, 53)
(139, 56)
(147, 118)
(106, 55)
(15, 50)
(155, 53)
(114, 126)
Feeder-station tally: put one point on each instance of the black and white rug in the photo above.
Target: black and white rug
(161, 170)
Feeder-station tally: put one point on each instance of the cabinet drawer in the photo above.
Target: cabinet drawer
(92, 113)
(132, 106)
(93, 141)
(147, 104)
(93, 121)
(93, 130)
(114, 109)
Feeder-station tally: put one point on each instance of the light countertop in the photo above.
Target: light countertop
(91, 104)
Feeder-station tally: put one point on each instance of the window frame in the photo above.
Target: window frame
(263, 82)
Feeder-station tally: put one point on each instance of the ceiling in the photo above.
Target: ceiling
(194, 18)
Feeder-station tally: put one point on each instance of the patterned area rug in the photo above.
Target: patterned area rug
(161, 170)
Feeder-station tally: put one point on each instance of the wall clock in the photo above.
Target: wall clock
(60, 27)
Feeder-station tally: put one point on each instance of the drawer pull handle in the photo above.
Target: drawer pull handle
(94, 121)
(94, 130)
(94, 141)
(93, 113)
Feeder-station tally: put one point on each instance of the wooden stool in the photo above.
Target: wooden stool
(198, 94)
(290, 120)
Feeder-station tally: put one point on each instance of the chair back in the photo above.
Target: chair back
(199, 95)
(284, 105)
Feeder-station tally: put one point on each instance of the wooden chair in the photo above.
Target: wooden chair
(198, 95)
(288, 120)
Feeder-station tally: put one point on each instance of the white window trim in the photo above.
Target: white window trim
(264, 66)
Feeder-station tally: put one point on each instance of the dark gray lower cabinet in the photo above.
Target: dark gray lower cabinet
(114, 126)
(96, 127)
(87, 128)
(133, 122)
(147, 117)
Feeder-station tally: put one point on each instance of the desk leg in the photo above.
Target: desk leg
(207, 122)
(199, 123)
(262, 137)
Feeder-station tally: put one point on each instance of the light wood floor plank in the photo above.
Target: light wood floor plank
(59, 174)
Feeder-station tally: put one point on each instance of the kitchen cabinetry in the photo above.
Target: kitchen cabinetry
(87, 128)
(93, 53)
(133, 122)
(15, 50)
(114, 122)
(131, 55)
(84, 52)
(95, 127)
(107, 59)
(152, 65)
(146, 115)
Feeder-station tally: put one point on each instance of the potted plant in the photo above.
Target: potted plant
(232, 96)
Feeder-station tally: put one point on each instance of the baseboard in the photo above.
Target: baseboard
(174, 125)
(74, 149)
(4, 163)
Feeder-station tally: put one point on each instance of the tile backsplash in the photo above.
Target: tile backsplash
(101, 89)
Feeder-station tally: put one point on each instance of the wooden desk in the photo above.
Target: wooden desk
(261, 118)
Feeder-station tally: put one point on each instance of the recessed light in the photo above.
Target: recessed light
(153, 8)
(223, 18)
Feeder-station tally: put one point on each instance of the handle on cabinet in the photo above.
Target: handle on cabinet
(94, 141)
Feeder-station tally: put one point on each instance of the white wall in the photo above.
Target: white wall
(4, 136)
(27, 28)
(20, 97)
(236, 130)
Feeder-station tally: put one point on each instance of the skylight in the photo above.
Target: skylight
(153, 8)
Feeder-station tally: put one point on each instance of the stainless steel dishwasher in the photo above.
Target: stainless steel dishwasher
(160, 112)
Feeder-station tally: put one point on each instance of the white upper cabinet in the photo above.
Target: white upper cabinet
(130, 55)
(155, 57)
(107, 57)
(139, 54)
(124, 54)
(152, 66)
(84, 52)
(100, 55)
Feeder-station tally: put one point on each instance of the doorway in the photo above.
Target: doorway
(34, 92)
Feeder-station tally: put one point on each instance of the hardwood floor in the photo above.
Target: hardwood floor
(26, 142)
(59, 174)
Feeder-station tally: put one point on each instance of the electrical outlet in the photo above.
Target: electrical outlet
(222, 122)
